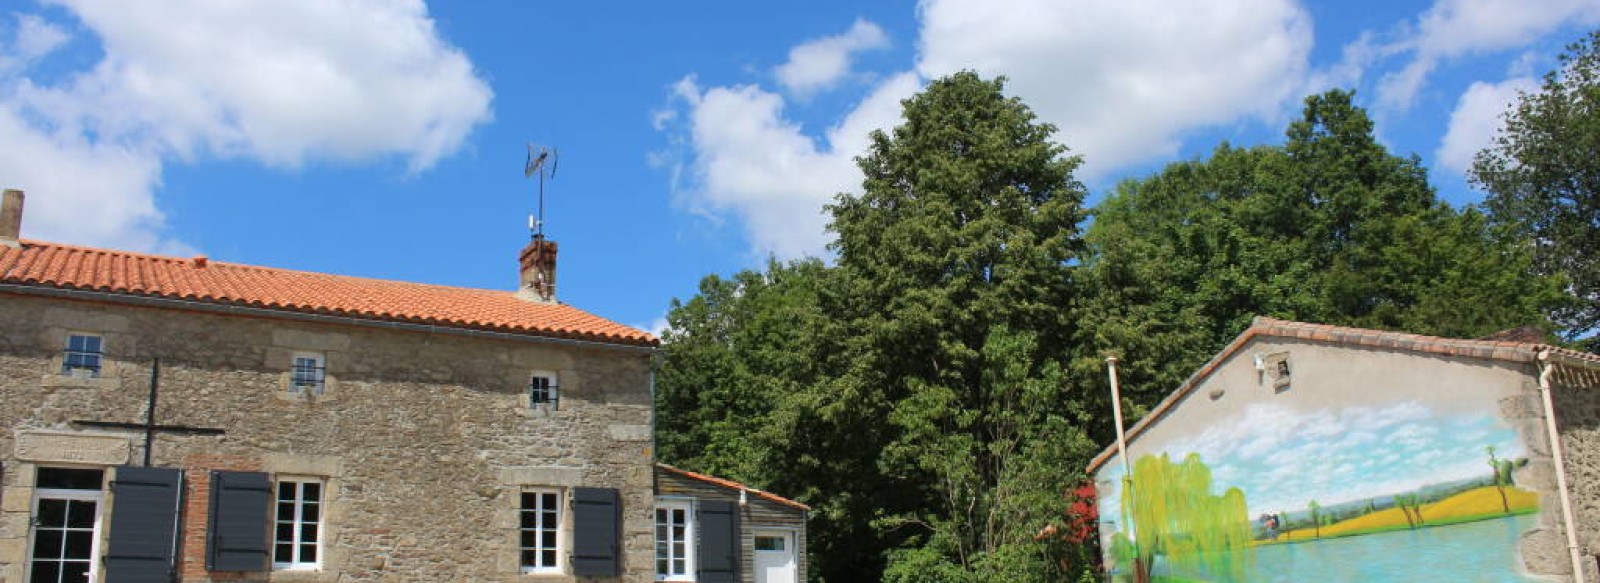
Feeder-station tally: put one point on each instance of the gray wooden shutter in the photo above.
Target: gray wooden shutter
(144, 525)
(596, 532)
(718, 521)
(236, 535)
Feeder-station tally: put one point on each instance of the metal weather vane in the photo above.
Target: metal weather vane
(542, 161)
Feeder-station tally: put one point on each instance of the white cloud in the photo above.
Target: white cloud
(822, 63)
(279, 82)
(37, 37)
(655, 327)
(1124, 79)
(748, 159)
(1476, 119)
(81, 190)
(1452, 28)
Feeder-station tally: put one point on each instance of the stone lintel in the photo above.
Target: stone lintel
(542, 476)
(67, 447)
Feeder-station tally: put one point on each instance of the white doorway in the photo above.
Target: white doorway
(775, 557)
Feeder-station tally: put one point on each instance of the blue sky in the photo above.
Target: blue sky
(385, 138)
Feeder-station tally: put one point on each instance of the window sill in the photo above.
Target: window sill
(547, 577)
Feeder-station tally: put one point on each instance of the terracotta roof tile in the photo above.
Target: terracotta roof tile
(50, 265)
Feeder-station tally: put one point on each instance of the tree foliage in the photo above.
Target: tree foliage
(936, 393)
(958, 256)
(1328, 228)
(1542, 176)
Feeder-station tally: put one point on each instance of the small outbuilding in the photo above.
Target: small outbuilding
(1306, 452)
(712, 530)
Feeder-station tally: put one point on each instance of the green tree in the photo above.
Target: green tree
(1542, 176)
(957, 260)
(747, 389)
(1328, 228)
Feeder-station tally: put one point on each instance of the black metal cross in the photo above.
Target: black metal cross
(149, 426)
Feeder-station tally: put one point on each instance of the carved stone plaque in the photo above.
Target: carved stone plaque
(38, 446)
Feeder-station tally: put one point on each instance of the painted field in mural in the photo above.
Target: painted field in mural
(1395, 493)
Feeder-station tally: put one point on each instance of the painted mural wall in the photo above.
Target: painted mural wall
(1309, 462)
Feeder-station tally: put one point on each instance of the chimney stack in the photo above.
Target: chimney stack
(538, 271)
(11, 218)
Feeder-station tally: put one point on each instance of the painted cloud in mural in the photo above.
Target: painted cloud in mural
(1281, 457)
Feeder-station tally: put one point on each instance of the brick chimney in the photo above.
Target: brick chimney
(11, 218)
(538, 271)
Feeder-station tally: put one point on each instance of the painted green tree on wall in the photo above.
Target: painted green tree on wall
(1411, 506)
(1174, 515)
(1316, 517)
(1502, 477)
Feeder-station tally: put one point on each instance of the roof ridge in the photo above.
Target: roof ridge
(213, 263)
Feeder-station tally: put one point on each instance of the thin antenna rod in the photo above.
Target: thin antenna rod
(540, 160)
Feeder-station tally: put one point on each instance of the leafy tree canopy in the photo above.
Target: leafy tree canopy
(1542, 176)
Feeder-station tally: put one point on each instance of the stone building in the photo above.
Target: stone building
(167, 418)
(721, 531)
(1321, 453)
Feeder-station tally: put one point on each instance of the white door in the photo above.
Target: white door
(775, 562)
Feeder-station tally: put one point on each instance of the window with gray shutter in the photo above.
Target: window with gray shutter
(596, 532)
(144, 525)
(236, 534)
(719, 541)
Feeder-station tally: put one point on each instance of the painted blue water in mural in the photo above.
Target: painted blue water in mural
(1477, 552)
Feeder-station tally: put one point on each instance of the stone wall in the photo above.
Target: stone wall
(1578, 419)
(424, 440)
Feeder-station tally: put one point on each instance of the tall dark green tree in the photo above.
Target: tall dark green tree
(1542, 176)
(957, 256)
(1328, 228)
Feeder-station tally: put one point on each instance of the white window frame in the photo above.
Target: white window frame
(539, 529)
(99, 357)
(552, 401)
(321, 372)
(690, 541)
(298, 521)
(97, 496)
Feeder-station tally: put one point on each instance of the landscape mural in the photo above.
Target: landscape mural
(1401, 492)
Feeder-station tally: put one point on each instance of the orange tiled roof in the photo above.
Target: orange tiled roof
(732, 485)
(1574, 367)
(50, 265)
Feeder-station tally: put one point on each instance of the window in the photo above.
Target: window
(308, 374)
(769, 543)
(297, 525)
(82, 358)
(66, 525)
(542, 391)
(674, 535)
(541, 527)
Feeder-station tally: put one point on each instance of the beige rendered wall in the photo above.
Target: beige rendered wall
(425, 440)
(1357, 430)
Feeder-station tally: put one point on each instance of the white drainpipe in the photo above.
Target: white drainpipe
(1561, 467)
